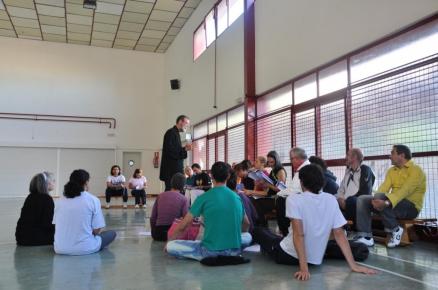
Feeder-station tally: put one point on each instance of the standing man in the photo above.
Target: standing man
(173, 152)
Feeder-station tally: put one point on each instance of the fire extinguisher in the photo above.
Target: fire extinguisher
(156, 160)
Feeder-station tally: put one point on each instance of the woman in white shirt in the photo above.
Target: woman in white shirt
(138, 183)
(313, 216)
(116, 186)
(78, 219)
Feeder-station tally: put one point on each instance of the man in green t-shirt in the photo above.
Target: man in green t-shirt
(224, 219)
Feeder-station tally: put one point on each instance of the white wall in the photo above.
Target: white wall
(195, 98)
(295, 36)
(51, 78)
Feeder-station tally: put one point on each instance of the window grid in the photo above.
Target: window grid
(274, 133)
(333, 130)
(199, 152)
(211, 152)
(236, 144)
(398, 109)
(221, 148)
(223, 14)
(305, 131)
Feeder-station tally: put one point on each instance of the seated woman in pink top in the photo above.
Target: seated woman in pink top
(168, 206)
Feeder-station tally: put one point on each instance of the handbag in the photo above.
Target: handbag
(190, 233)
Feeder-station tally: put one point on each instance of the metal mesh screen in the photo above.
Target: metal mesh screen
(401, 109)
(333, 130)
(305, 131)
(274, 133)
(236, 144)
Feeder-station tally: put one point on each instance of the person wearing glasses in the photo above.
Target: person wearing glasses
(358, 180)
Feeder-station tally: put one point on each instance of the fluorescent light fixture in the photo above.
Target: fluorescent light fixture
(90, 4)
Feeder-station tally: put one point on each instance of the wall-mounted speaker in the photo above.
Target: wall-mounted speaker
(174, 84)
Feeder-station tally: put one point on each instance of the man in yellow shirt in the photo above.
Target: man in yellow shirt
(400, 196)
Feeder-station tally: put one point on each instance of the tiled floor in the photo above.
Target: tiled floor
(134, 261)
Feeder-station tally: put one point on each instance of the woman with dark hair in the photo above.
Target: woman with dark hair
(34, 227)
(138, 183)
(250, 210)
(313, 215)
(278, 174)
(330, 179)
(168, 206)
(78, 219)
(116, 186)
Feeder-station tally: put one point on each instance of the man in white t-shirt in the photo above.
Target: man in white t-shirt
(313, 215)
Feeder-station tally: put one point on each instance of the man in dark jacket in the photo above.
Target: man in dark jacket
(358, 180)
(174, 152)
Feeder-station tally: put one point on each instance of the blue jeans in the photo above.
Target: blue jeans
(107, 238)
(194, 250)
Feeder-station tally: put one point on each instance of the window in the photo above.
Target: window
(211, 152)
(235, 10)
(215, 23)
(225, 135)
(333, 130)
(236, 116)
(236, 144)
(212, 126)
(222, 17)
(222, 122)
(274, 133)
(211, 27)
(333, 78)
(400, 109)
(199, 42)
(200, 130)
(305, 89)
(279, 99)
(200, 152)
(305, 131)
(221, 148)
(406, 48)
(398, 106)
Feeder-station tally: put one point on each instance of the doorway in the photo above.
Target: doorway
(131, 161)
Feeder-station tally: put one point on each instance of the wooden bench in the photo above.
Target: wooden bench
(408, 236)
(130, 206)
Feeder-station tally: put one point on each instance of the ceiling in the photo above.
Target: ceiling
(145, 25)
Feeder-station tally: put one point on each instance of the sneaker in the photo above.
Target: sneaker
(125, 205)
(107, 206)
(395, 238)
(369, 242)
(137, 206)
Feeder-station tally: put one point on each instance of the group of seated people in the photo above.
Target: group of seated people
(116, 186)
(233, 207)
(74, 226)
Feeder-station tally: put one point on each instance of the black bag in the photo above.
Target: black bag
(224, 260)
(360, 251)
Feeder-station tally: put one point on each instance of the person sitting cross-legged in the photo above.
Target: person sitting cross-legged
(224, 218)
(400, 196)
(313, 215)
